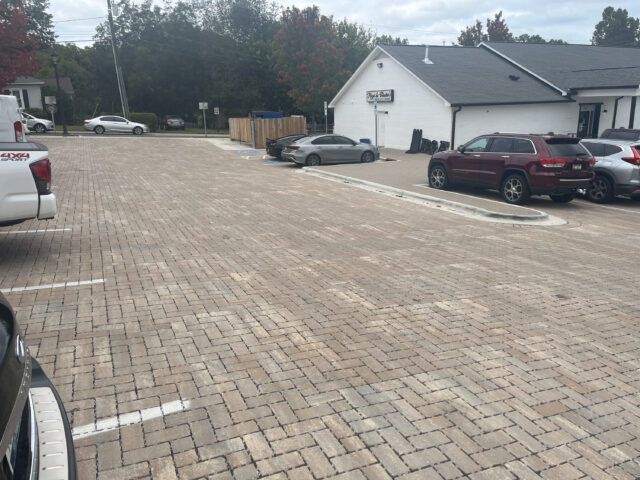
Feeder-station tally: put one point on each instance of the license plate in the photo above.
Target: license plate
(577, 166)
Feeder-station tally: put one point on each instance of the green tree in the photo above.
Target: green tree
(472, 35)
(617, 28)
(497, 29)
(389, 40)
(526, 38)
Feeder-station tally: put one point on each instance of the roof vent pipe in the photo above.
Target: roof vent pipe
(426, 56)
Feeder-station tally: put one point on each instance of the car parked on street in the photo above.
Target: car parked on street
(173, 122)
(324, 149)
(112, 123)
(35, 436)
(517, 165)
(617, 168)
(275, 145)
(38, 125)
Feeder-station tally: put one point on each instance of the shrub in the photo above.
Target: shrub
(150, 119)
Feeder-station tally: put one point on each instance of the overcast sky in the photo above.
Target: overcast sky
(421, 21)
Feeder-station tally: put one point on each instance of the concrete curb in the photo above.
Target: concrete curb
(540, 217)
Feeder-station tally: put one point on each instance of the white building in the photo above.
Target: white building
(28, 91)
(456, 93)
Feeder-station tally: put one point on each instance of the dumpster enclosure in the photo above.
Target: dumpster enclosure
(263, 128)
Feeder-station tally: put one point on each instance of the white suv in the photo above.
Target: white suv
(38, 125)
(617, 168)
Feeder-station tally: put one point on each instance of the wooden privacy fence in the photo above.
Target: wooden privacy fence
(240, 128)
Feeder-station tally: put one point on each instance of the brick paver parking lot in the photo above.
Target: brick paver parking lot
(247, 321)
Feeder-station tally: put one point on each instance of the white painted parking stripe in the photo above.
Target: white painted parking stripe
(612, 208)
(17, 232)
(114, 423)
(52, 285)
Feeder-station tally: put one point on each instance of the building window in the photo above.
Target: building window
(16, 93)
(25, 98)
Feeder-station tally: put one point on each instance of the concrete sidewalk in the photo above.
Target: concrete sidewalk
(406, 174)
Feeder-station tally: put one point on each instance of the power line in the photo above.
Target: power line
(78, 19)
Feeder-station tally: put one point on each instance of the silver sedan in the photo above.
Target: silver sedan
(111, 123)
(323, 149)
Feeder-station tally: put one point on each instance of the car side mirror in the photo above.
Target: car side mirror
(460, 148)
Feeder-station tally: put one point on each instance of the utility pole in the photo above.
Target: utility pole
(123, 92)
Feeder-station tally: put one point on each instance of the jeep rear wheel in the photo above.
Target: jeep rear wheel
(514, 189)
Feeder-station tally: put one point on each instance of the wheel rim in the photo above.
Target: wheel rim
(367, 157)
(99, 130)
(437, 178)
(598, 189)
(39, 129)
(513, 189)
(313, 160)
(137, 130)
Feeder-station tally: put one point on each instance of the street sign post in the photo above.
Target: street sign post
(50, 102)
(204, 106)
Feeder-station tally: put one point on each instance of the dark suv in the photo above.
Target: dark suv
(518, 165)
(35, 438)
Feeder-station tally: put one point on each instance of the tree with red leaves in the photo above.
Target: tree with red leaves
(307, 59)
(18, 48)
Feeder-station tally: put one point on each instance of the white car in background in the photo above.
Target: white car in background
(111, 123)
(38, 125)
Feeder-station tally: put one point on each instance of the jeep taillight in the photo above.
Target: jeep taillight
(17, 127)
(553, 162)
(41, 171)
(635, 160)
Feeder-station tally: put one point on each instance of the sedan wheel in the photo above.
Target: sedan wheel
(39, 128)
(514, 189)
(438, 178)
(99, 129)
(601, 190)
(137, 131)
(313, 160)
(366, 157)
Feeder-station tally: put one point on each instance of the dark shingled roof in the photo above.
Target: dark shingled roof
(576, 66)
(473, 76)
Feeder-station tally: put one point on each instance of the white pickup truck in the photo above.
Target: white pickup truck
(25, 171)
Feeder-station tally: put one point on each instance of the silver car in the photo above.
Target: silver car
(323, 149)
(38, 125)
(111, 123)
(617, 168)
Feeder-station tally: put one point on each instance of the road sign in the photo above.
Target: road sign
(216, 110)
(203, 106)
(50, 100)
(52, 108)
(325, 108)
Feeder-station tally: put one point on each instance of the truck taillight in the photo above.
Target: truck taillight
(553, 162)
(41, 171)
(17, 127)
(635, 160)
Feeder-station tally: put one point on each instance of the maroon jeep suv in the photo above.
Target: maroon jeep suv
(518, 165)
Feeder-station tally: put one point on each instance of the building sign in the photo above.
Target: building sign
(380, 96)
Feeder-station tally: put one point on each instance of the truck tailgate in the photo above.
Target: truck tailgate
(19, 197)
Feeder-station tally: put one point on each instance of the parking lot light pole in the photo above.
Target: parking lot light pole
(54, 59)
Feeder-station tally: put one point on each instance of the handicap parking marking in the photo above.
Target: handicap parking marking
(52, 285)
(131, 418)
(50, 230)
(246, 152)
